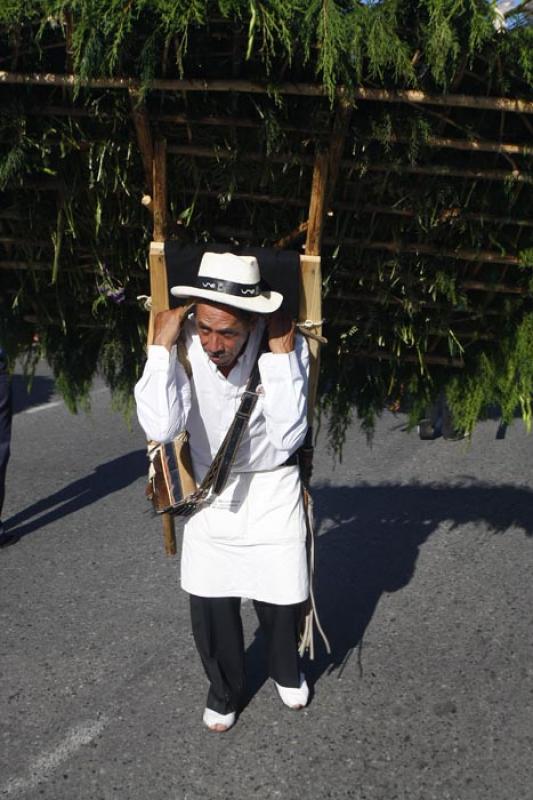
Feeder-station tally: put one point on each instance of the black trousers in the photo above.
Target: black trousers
(218, 634)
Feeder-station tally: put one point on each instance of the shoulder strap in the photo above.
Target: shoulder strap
(217, 474)
(232, 440)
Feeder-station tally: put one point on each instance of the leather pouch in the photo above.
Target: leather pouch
(171, 483)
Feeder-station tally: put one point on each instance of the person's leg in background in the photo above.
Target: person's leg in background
(5, 429)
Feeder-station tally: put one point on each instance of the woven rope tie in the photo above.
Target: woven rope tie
(305, 328)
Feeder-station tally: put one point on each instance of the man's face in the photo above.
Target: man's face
(222, 333)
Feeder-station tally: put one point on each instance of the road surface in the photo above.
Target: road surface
(425, 585)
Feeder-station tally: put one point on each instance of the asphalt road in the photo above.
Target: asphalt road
(425, 566)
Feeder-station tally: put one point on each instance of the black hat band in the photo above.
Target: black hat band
(228, 287)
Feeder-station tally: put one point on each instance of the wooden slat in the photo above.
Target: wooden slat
(341, 125)
(410, 358)
(317, 205)
(141, 123)
(421, 248)
(159, 183)
(159, 283)
(311, 309)
(310, 272)
(510, 104)
(437, 170)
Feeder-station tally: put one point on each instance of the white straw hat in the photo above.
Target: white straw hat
(231, 280)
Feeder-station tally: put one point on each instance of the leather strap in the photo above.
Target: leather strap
(232, 440)
(292, 460)
(217, 474)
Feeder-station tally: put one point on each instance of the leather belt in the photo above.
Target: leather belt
(292, 460)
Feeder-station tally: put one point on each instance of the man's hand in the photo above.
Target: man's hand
(281, 332)
(168, 326)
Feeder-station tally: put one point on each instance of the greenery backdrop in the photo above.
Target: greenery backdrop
(428, 249)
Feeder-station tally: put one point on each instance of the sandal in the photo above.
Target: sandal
(295, 698)
(218, 723)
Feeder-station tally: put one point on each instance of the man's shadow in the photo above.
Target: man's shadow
(370, 546)
(107, 478)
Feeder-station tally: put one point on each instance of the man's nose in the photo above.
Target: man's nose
(215, 343)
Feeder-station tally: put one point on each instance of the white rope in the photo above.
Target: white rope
(310, 323)
(146, 300)
(305, 328)
(307, 638)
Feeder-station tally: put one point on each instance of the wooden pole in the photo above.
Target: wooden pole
(69, 35)
(468, 144)
(310, 273)
(411, 358)
(450, 213)
(286, 240)
(470, 286)
(511, 104)
(443, 171)
(200, 151)
(386, 300)
(310, 316)
(42, 265)
(271, 199)
(159, 182)
(158, 281)
(325, 174)
(341, 126)
(311, 313)
(317, 205)
(421, 248)
(141, 123)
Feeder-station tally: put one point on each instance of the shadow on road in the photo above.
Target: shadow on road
(105, 480)
(41, 391)
(372, 547)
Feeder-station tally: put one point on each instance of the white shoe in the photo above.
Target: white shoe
(292, 697)
(213, 718)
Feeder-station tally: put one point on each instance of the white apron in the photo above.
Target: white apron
(250, 541)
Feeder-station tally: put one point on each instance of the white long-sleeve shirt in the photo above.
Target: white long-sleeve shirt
(168, 402)
(250, 540)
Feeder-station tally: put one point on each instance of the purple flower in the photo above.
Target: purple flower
(116, 295)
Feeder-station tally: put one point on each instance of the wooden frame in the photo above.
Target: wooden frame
(310, 309)
(158, 281)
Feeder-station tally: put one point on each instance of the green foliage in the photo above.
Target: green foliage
(386, 51)
(12, 165)
(441, 37)
(389, 310)
(73, 356)
(83, 308)
(502, 378)
(14, 155)
(522, 40)
(328, 27)
(271, 24)
(343, 42)
(121, 358)
(14, 13)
